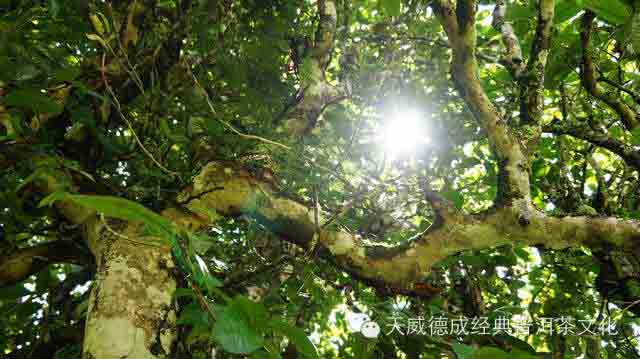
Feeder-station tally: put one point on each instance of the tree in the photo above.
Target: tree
(189, 178)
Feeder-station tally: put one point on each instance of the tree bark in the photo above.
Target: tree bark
(131, 312)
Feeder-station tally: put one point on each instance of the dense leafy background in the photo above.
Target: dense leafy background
(54, 56)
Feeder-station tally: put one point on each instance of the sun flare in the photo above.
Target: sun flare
(404, 133)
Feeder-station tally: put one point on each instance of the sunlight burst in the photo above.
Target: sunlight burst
(404, 133)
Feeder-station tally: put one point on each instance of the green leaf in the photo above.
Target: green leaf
(14, 293)
(54, 8)
(122, 209)
(518, 12)
(522, 253)
(635, 31)
(31, 99)
(27, 310)
(534, 307)
(167, 4)
(391, 7)
(616, 12)
(66, 74)
(233, 333)
(635, 137)
(565, 10)
(81, 309)
(474, 260)
(201, 243)
(254, 313)
(540, 168)
(490, 353)
(297, 336)
(463, 351)
(455, 197)
(193, 315)
(25, 72)
(505, 261)
(52, 198)
(73, 351)
(184, 292)
(521, 354)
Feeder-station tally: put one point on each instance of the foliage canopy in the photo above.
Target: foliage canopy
(265, 123)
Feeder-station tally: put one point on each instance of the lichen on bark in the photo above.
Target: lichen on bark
(131, 311)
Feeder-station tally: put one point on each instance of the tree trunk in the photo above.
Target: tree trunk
(131, 312)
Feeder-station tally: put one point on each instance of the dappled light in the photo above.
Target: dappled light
(319, 179)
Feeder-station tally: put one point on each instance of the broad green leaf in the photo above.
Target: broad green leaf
(211, 282)
(565, 10)
(297, 336)
(25, 72)
(616, 12)
(54, 7)
(193, 315)
(201, 243)
(234, 334)
(391, 7)
(203, 276)
(635, 32)
(635, 137)
(521, 354)
(540, 168)
(505, 261)
(463, 351)
(490, 353)
(81, 309)
(272, 353)
(66, 74)
(474, 260)
(122, 209)
(522, 253)
(26, 310)
(254, 313)
(454, 196)
(73, 351)
(364, 348)
(52, 198)
(31, 99)
(14, 293)
(168, 4)
(97, 38)
(518, 12)
(184, 292)
(97, 23)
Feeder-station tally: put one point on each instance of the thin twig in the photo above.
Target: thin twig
(227, 124)
(126, 238)
(135, 135)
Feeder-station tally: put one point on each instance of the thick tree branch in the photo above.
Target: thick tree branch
(616, 85)
(514, 177)
(316, 93)
(466, 15)
(600, 139)
(326, 32)
(532, 85)
(590, 80)
(513, 57)
(445, 11)
(20, 264)
(397, 268)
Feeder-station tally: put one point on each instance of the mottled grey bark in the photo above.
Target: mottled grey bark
(131, 312)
